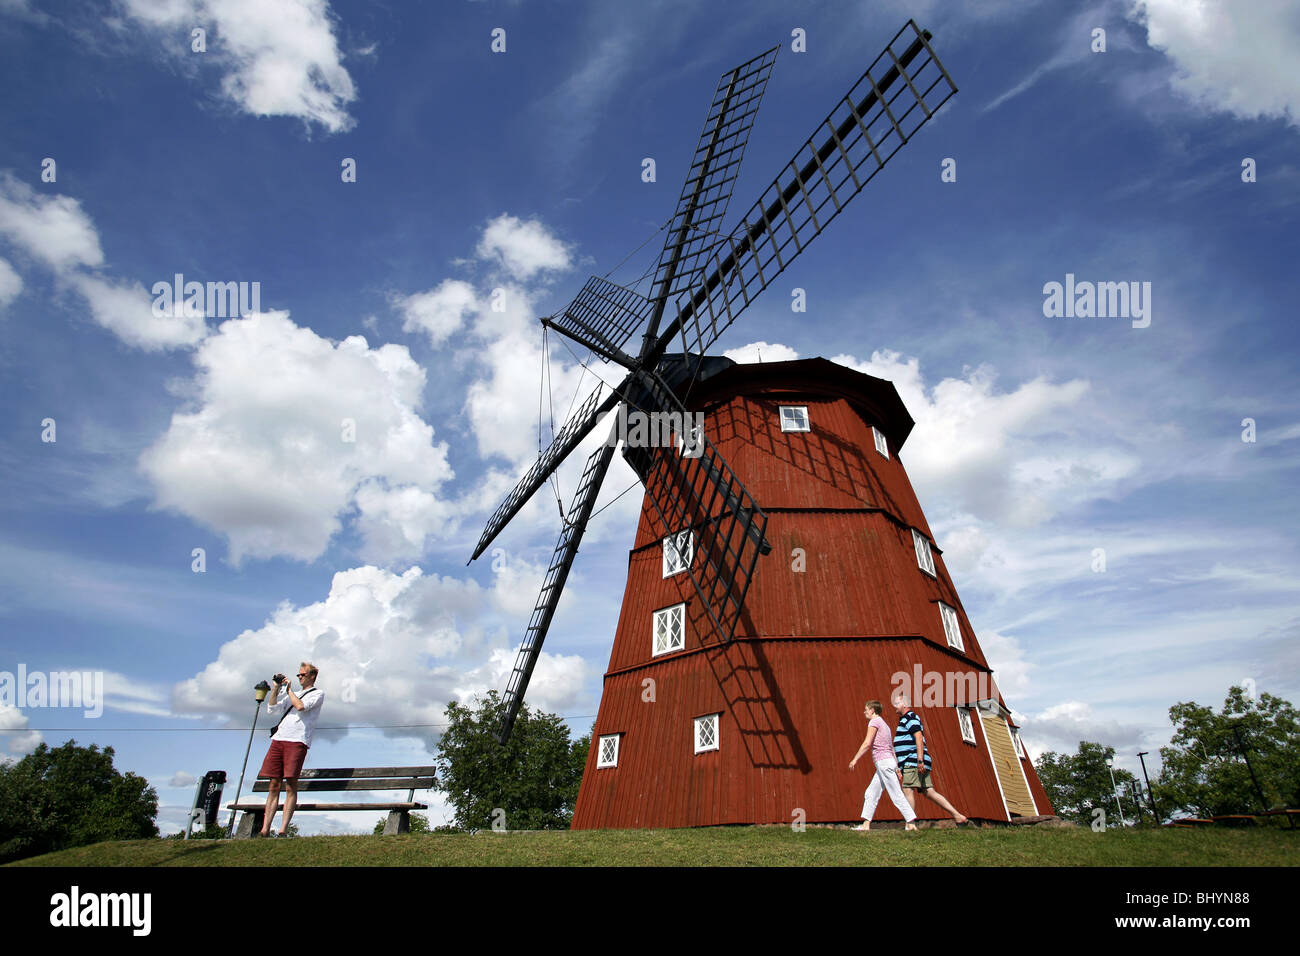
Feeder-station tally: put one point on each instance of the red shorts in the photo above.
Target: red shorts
(284, 760)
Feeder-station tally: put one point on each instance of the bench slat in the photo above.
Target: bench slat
(394, 783)
(354, 773)
(334, 806)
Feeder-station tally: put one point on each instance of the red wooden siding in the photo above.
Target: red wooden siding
(791, 721)
(860, 578)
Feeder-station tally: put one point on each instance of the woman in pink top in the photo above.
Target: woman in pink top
(881, 744)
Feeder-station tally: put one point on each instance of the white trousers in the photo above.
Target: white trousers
(887, 777)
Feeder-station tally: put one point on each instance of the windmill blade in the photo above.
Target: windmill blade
(603, 316)
(571, 435)
(566, 549)
(896, 96)
(696, 225)
(701, 493)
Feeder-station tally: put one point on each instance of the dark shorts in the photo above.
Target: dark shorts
(913, 781)
(284, 760)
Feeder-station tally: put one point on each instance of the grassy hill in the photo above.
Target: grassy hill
(722, 846)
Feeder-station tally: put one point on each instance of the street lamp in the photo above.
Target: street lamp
(1110, 765)
(260, 690)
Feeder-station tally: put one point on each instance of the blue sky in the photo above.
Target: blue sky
(1039, 439)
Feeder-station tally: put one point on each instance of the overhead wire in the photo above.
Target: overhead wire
(547, 383)
(653, 265)
(615, 498)
(588, 368)
(236, 729)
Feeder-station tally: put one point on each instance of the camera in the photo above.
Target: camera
(279, 679)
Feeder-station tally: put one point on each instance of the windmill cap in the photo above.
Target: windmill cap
(876, 398)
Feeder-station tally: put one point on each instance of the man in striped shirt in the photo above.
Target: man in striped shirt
(911, 751)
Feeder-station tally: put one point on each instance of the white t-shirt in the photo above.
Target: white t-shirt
(298, 725)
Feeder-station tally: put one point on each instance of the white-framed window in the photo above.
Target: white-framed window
(794, 418)
(670, 629)
(1020, 744)
(951, 627)
(706, 733)
(882, 446)
(967, 727)
(608, 753)
(924, 559)
(690, 445)
(679, 550)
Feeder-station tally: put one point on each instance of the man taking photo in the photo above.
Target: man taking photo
(290, 739)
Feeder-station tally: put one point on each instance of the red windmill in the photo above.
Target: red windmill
(726, 702)
(853, 601)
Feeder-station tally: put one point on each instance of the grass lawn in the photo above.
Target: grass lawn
(722, 846)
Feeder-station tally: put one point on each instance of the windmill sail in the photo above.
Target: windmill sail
(570, 436)
(896, 96)
(558, 572)
(696, 225)
(692, 494)
(701, 494)
(603, 316)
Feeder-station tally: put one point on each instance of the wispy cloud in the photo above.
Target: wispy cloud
(1073, 47)
(56, 232)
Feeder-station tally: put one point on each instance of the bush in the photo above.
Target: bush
(55, 799)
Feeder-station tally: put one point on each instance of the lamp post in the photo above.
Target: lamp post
(195, 812)
(1151, 794)
(260, 690)
(1110, 764)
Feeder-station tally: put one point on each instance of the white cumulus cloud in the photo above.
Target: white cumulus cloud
(997, 454)
(1231, 56)
(289, 432)
(440, 311)
(555, 685)
(523, 248)
(51, 228)
(277, 59)
(761, 352)
(1063, 726)
(15, 737)
(126, 309)
(392, 649)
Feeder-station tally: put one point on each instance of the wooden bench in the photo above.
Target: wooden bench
(337, 779)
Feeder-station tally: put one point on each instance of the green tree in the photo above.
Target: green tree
(1203, 770)
(419, 824)
(534, 778)
(1079, 783)
(69, 796)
